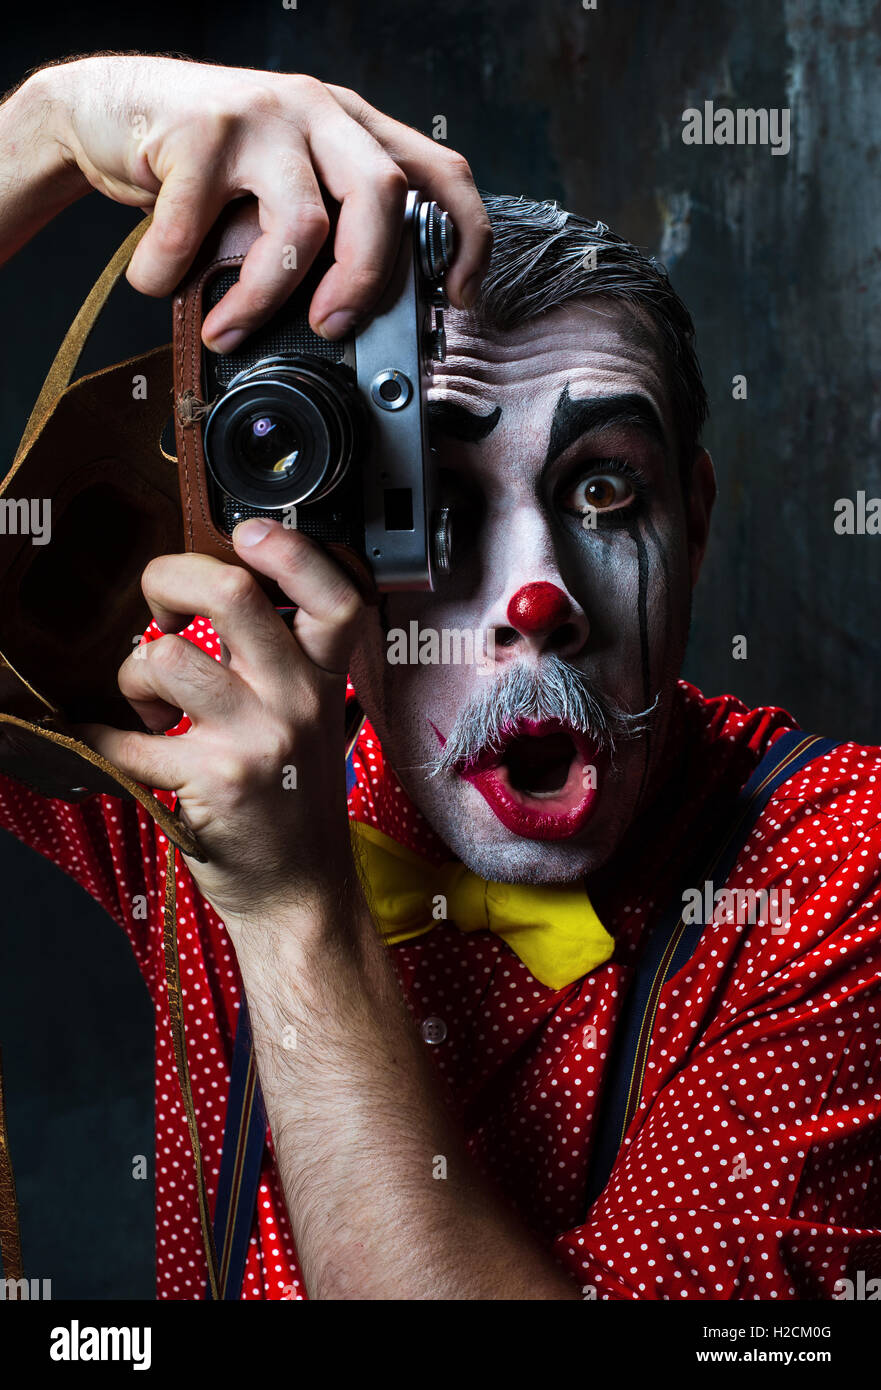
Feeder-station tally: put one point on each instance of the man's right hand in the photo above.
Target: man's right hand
(187, 138)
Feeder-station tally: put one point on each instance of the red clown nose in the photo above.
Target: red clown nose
(538, 608)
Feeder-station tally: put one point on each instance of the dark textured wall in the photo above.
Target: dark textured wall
(778, 258)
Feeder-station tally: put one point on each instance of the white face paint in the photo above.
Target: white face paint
(525, 487)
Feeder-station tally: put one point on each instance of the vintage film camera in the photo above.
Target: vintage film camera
(329, 437)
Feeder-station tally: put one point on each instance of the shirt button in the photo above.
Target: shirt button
(434, 1030)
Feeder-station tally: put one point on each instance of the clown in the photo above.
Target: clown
(496, 1060)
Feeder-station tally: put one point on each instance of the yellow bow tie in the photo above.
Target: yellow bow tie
(551, 927)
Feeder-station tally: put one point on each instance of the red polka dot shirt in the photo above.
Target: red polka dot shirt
(750, 1169)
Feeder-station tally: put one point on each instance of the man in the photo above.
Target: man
(442, 1106)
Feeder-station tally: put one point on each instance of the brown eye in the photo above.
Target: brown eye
(600, 492)
(604, 492)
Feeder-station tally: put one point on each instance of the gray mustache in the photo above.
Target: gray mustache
(552, 689)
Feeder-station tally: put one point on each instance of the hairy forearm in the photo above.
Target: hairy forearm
(383, 1198)
(37, 176)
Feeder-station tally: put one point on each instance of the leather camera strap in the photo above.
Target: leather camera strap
(68, 355)
(179, 1039)
(10, 1235)
(57, 380)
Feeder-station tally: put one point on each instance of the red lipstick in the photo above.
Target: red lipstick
(543, 781)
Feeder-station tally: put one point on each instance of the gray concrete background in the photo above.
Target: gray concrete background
(778, 258)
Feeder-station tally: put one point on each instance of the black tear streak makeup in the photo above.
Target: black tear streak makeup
(635, 532)
(662, 556)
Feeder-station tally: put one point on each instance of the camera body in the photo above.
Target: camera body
(330, 437)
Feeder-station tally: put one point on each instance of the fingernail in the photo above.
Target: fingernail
(470, 291)
(336, 324)
(251, 531)
(227, 340)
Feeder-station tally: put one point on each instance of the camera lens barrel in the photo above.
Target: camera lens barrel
(283, 433)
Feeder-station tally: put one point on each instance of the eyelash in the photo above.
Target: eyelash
(609, 465)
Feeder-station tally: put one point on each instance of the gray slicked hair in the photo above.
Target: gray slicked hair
(538, 264)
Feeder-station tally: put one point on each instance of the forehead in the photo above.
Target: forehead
(598, 347)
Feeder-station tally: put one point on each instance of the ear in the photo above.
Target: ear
(701, 497)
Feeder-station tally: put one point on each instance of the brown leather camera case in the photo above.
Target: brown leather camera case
(70, 610)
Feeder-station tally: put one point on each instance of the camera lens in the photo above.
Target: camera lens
(270, 447)
(283, 433)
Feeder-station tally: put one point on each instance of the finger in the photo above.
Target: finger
(158, 715)
(372, 192)
(294, 225)
(173, 672)
(154, 761)
(329, 607)
(259, 644)
(440, 173)
(189, 202)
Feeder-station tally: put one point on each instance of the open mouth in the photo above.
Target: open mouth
(539, 766)
(542, 782)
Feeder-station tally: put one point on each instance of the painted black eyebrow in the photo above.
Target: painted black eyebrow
(580, 415)
(445, 417)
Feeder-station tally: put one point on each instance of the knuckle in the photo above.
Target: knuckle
(235, 588)
(352, 102)
(350, 610)
(313, 223)
(457, 166)
(262, 102)
(173, 233)
(276, 744)
(391, 181)
(262, 300)
(362, 282)
(128, 749)
(482, 232)
(168, 652)
(296, 557)
(151, 575)
(230, 770)
(346, 604)
(307, 89)
(211, 125)
(346, 96)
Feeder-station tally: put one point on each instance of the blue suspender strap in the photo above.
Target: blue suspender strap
(243, 1142)
(671, 944)
(244, 1134)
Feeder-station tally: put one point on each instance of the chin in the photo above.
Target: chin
(523, 814)
(471, 831)
(530, 862)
